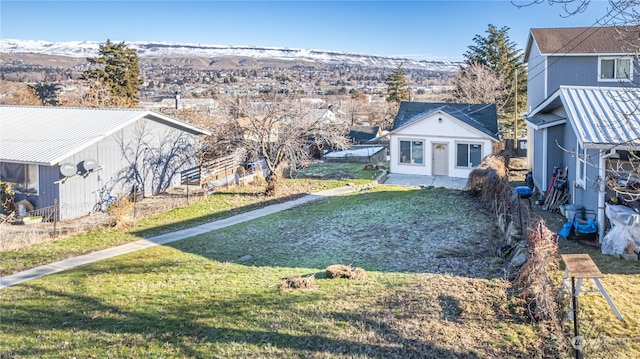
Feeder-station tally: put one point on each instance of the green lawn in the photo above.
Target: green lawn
(223, 204)
(433, 287)
(217, 295)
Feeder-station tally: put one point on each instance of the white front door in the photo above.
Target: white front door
(440, 162)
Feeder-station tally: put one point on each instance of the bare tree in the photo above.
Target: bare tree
(15, 93)
(476, 83)
(282, 131)
(618, 12)
(94, 94)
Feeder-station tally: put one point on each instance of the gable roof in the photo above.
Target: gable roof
(361, 133)
(599, 115)
(483, 117)
(584, 40)
(48, 135)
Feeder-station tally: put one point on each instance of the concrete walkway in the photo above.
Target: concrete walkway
(63, 265)
(419, 180)
(51, 268)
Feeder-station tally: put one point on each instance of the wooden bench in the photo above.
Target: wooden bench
(579, 267)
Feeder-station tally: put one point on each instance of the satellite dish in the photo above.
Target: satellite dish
(90, 165)
(68, 169)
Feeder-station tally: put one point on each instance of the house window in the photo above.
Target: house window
(581, 165)
(412, 152)
(23, 178)
(615, 69)
(468, 155)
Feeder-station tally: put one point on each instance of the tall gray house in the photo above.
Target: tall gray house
(583, 107)
(580, 56)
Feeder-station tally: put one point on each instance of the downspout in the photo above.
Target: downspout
(601, 191)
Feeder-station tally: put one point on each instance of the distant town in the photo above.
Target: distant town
(171, 81)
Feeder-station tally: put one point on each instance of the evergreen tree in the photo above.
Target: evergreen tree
(397, 89)
(500, 55)
(117, 67)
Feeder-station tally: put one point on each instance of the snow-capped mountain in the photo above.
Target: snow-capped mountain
(83, 49)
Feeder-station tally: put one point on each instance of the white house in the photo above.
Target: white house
(442, 139)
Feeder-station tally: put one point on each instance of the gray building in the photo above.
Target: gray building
(72, 156)
(583, 107)
(579, 56)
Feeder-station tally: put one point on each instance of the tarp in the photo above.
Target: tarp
(625, 230)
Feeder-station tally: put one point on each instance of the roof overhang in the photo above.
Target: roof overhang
(527, 50)
(607, 147)
(551, 103)
(156, 116)
(542, 121)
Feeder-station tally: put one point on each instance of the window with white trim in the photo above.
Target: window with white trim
(615, 69)
(412, 152)
(22, 177)
(468, 155)
(581, 165)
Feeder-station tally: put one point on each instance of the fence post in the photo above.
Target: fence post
(55, 217)
(135, 197)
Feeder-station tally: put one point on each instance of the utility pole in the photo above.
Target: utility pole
(515, 114)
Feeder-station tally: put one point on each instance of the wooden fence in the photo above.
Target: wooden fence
(213, 170)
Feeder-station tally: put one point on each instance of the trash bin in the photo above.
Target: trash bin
(574, 211)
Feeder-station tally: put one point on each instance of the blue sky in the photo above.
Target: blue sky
(434, 30)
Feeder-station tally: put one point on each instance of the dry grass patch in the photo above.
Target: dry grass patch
(298, 282)
(344, 271)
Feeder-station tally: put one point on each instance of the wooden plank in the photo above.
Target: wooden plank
(581, 266)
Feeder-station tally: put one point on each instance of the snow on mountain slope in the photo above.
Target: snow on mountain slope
(192, 50)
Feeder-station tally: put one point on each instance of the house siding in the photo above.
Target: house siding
(429, 130)
(78, 194)
(536, 78)
(587, 195)
(571, 70)
(555, 136)
(547, 73)
(546, 142)
(537, 169)
(578, 71)
(49, 191)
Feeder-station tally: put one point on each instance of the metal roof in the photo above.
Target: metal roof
(604, 115)
(599, 115)
(483, 117)
(48, 135)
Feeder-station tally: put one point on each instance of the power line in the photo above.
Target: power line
(599, 21)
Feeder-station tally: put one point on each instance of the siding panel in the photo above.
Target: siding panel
(535, 78)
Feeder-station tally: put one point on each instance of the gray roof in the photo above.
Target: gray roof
(600, 115)
(48, 135)
(361, 133)
(483, 117)
(584, 40)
